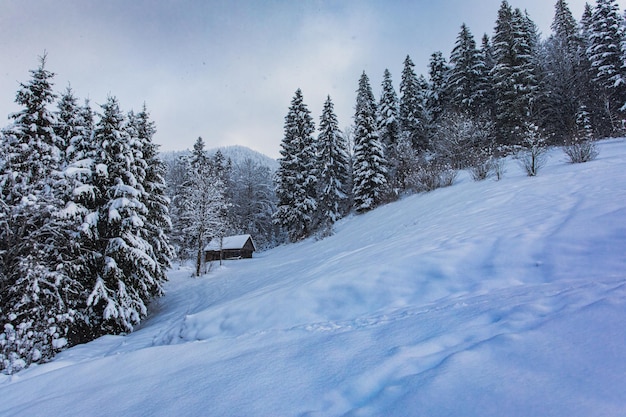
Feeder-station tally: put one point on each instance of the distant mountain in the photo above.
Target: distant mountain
(235, 153)
(238, 153)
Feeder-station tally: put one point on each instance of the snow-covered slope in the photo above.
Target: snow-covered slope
(482, 299)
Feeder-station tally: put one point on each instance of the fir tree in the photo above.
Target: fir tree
(466, 72)
(157, 220)
(436, 99)
(514, 72)
(334, 165)
(125, 281)
(297, 173)
(389, 124)
(388, 113)
(369, 173)
(562, 76)
(37, 292)
(412, 106)
(485, 93)
(606, 35)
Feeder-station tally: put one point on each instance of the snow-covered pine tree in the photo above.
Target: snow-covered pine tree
(388, 120)
(71, 128)
(514, 77)
(605, 54)
(412, 106)
(591, 95)
(125, 279)
(369, 172)
(334, 170)
(436, 97)
(485, 93)
(561, 76)
(466, 70)
(37, 294)
(297, 173)
(157, 220)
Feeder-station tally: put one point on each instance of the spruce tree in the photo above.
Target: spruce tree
(37, 292)
(436, 97)
(388, 113)
(369, 172)
(389, 125)
(514, 75)
(467, 68)
(485, 93)
(591, 95)
(412, 106)
(125, 281)
(334, 164)
(297, 173)
(605, 54)
(562, 76)
(157, 220)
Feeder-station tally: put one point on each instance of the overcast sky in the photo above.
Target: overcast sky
(227, 70)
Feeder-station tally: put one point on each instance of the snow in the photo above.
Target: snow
(488, 298)
(228, 242)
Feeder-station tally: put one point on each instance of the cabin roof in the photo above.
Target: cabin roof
(229, 243)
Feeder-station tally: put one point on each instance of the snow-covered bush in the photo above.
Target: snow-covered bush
(431, 175)
(460, 139)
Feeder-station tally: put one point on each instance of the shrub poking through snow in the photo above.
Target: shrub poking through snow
(533, 156)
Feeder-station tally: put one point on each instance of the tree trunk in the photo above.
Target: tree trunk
(199, 257)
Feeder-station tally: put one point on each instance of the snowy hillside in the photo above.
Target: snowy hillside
(482, 299)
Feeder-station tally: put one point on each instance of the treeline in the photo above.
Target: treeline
(83, 222)
(513, 93)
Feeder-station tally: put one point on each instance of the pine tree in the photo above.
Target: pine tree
(388, 113)
(157, 220)
(604, 51)
(37, 292)
(125, 281)
(334, 164)
(465, 76)
(436, 99)
(412, 106)
(562, 77)
(388, 120)
(369, 173)
(485, 93)
(297, 173)
(69, 122)
(514, 75)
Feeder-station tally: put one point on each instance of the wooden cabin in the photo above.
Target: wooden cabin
(229, 247)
